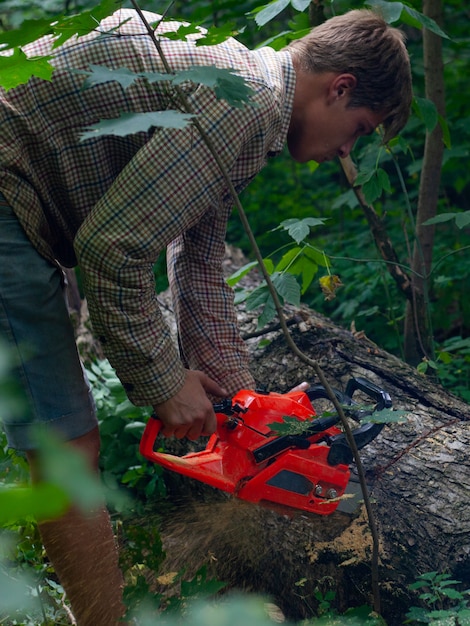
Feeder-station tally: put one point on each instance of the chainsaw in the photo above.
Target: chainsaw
(247, 457)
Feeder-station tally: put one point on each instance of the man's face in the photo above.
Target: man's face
(322, 126)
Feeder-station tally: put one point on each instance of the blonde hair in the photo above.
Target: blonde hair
(361, 43)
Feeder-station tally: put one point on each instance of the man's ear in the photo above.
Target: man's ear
(342, 86)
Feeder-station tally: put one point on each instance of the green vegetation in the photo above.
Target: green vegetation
(309, 225)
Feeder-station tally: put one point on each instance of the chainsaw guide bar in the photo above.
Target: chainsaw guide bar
(247, 458)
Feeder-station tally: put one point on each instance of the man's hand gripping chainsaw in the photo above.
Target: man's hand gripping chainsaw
(245, 457)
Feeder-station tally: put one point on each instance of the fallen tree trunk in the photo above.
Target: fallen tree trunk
(418, 474)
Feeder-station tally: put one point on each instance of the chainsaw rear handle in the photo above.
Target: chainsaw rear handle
(154, 426)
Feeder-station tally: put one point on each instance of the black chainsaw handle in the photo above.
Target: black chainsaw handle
(340, 451)
(381, 397)
(378, 394)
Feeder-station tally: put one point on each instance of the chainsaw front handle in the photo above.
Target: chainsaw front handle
(340, 450)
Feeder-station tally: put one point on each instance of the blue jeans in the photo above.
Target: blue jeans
(36, 332)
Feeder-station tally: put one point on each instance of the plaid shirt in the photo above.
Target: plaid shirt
(113, 204)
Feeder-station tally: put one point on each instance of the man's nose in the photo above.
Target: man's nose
(346, 148)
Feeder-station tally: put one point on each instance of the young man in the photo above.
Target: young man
(113, 204)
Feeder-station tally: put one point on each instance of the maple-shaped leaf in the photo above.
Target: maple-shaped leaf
(217, 34)
(234, 90)
(84, 22)
(181, 33)
(226, 84)
(99, 74)
(30, 31)
(130, 123)
(17, 69)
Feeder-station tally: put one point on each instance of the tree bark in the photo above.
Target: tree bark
(418, 475)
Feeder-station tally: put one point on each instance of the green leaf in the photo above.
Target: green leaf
(300, 262)
(30, 31)
(241, 273)
(445, 357)
(393, 11)
(261, 298)
(309, 271)
(418, 20)
(265, 14)
(363, 176)
(390, 11)
(297, 229)
(316, 256)
(300, 229)
(426, 110)
(290, 426)
(258, 297)
(348, 199)
(84, 22)
(438, 219)
(43, 501)
(226, 84)
(287, 287)
(240, 295)
(217, 34)
(234, 90)
(372, 189)
(300, 5)
(15, 593)
(384, 180)
(445, 132)
(17, 69)
(422, 367)
(68, 469)
(202, 74)
(182, 32)
(461, 219)
(99, 74)
(386, 416)
(288, 259)
(267, 314)
(453, 594)
(457, 343)
(129, 123)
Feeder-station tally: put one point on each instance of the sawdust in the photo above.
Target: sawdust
(354, 543)
(211, 532)
(255, 549)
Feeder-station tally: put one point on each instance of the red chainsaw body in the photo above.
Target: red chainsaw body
(294, 477)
